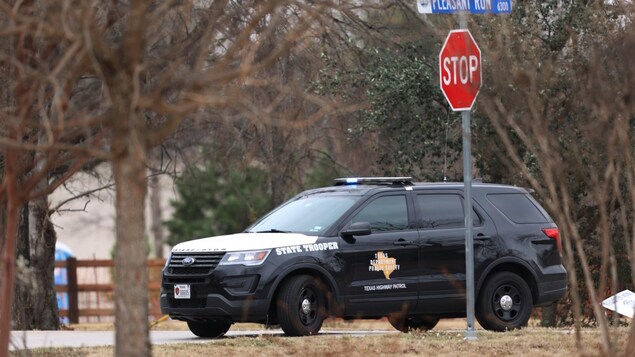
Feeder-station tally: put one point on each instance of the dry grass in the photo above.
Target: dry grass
(541, 342)
(446, 340)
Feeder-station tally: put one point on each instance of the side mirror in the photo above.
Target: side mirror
(357, 229)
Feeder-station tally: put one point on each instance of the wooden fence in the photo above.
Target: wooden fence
(74, 287)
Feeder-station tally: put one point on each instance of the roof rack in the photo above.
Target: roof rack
(395, 181)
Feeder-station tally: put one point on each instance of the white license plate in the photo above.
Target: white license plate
(182, 291)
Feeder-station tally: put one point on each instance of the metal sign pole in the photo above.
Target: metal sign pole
(457, 98)
(470, 332)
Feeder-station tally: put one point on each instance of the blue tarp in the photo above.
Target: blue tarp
(62, 252)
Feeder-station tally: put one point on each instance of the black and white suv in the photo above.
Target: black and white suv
(369, 248)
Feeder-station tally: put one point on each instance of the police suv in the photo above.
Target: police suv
(370, 248)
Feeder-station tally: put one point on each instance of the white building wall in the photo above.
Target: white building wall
(87, 224)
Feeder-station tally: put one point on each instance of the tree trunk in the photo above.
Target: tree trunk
(35, 300)
(42, 240)
(548, 318)
(155, 215)
(131, 296)
(23, 283)
(10, 212)
(129, 159)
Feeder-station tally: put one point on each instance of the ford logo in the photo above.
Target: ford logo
(188, 260)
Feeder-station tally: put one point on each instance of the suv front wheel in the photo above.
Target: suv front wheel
(504, 302)
(301, 306)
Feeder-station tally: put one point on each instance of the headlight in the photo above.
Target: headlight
(254, 257)
(167, 261)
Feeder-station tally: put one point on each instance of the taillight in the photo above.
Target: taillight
(553, 233)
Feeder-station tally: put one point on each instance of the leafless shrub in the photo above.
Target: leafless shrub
(560, 101)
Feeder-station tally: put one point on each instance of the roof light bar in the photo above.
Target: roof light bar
(399, 181)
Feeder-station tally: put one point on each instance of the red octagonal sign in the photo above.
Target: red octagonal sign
(460, 69)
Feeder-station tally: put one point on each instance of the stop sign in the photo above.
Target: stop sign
(460, 69)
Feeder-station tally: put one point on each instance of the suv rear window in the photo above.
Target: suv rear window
(442, 211)
(517, 207)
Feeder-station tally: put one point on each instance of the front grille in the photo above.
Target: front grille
(204, 263)
(189, 271)
(187, 303)
(183, 280)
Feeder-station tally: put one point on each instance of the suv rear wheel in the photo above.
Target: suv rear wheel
(413, 323)
(504, 302)
(301, 306)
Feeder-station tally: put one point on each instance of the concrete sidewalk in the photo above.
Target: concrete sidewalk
(40, 339)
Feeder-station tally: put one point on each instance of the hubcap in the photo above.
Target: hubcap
(506, 302)
(306, 306)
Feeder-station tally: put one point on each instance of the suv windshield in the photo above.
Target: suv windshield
(308, 214)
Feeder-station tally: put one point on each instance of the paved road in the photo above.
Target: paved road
(38, 339)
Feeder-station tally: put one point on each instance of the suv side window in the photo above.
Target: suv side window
(386, 213)
(442, 211)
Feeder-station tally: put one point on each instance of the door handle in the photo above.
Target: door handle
(402, 242)
(481, 240)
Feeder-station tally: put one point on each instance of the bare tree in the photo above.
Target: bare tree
(112, 80)
(563, 127)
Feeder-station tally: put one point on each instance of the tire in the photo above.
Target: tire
(504, 303)
(301, 306)
(413, 323)
(209, 329)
